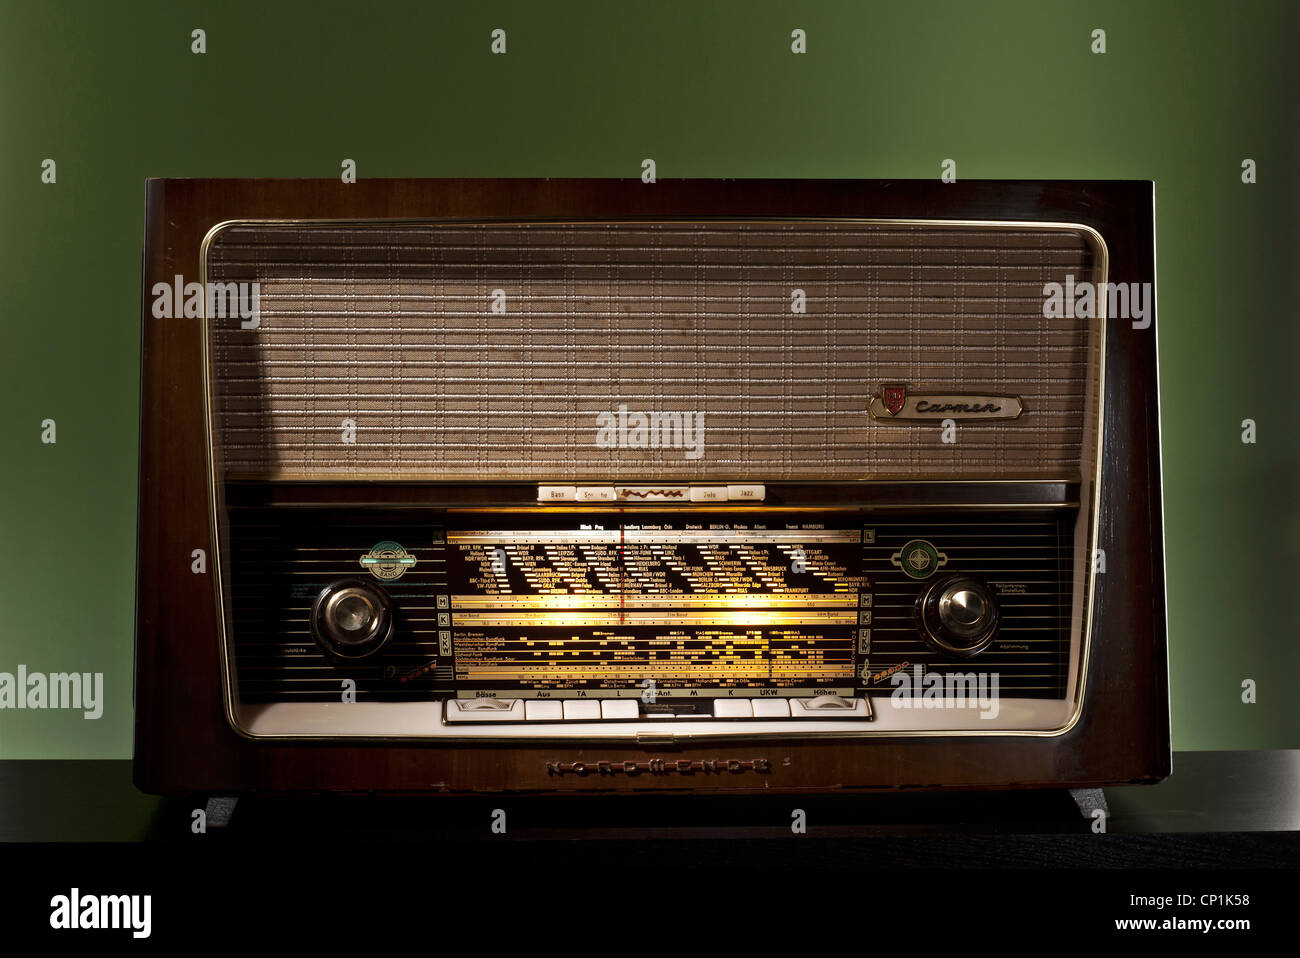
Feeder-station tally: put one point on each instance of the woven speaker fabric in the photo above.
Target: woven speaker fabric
(465, 352)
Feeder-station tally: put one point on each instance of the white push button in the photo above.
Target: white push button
(747, 493)
(830, 706)
(578, 709)
(732, 708)
(708, 493)
(551, 710)
(620, 709)
(485, 710)
(556, 493)
(596, 494)
(771, 708)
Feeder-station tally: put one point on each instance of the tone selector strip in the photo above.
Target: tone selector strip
(742, 492)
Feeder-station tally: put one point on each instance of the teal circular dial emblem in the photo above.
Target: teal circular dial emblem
(387, 560)
(918, 559)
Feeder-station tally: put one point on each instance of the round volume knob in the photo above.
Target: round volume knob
(958, 615)
(352, 618)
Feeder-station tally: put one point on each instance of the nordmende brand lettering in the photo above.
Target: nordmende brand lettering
(53, 690)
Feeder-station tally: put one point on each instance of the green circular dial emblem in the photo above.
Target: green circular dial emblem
(387, 560)
(918, 559)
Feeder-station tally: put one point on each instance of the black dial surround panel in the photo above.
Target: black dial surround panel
(522, 604)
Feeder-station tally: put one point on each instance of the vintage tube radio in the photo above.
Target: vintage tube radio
(588, 485)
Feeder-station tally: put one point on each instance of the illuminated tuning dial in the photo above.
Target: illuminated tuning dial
(958, 615)
(352, 618)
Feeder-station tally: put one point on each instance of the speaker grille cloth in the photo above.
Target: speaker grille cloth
(392, 327)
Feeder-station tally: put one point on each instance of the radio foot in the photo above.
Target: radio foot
(219, 810)
(1089, 800)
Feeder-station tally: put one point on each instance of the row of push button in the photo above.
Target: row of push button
(593, 710)
(748, 492)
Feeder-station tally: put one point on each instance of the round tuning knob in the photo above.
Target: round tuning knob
(958, 615)
(352, 618)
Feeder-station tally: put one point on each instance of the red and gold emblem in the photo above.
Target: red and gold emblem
(894, 397)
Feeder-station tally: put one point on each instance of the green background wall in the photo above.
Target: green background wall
(1185, 92)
